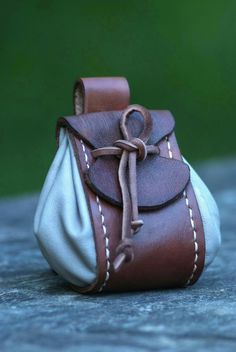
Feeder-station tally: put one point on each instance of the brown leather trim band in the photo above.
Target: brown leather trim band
(197, 231)
(83, 159)
(100, 94)
(93, 95)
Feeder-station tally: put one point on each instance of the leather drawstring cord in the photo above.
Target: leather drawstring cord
(130, 150)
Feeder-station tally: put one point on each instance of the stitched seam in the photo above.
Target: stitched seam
(191, 221)
(104, 228)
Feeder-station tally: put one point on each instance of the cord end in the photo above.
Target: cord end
(118, 262)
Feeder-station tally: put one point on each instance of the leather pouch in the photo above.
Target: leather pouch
(121, 209)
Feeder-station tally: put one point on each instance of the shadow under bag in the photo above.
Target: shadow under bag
(121, 209)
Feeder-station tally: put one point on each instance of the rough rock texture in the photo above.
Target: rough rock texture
(39, 312)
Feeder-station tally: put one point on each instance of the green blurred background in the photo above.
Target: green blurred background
(177, 55)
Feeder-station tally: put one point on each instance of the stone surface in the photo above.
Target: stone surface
(39, 311)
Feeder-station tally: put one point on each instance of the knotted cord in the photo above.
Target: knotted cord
(130, 149)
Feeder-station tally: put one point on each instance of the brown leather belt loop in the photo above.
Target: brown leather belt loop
(100, 94)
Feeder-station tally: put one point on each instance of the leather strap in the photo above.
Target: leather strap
(170, 249)
(100, 94)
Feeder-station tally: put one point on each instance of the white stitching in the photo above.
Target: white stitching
(191, 221)
(85, 154)
(107, 250)
(169, 148)
(194, 239)
(104, 228)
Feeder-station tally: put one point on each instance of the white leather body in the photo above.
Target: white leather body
(62, 222)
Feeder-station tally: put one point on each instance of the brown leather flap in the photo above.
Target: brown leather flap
(102, 129)
(159, 180)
